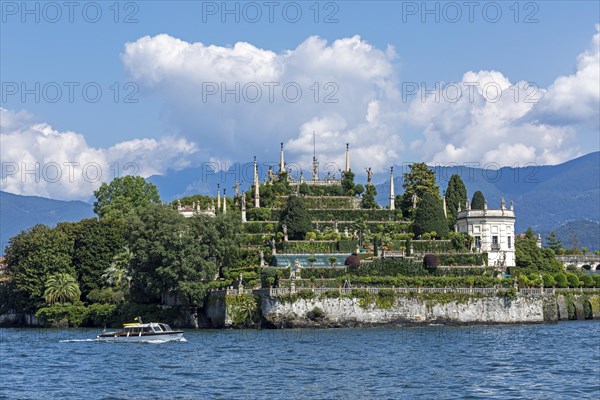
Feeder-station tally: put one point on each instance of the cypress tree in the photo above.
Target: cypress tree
(553, 243)
(296, 218)
(368, 200)
(456, 194)
(478, 201)
(430, 217)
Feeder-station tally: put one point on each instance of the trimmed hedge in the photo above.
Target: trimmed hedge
(432, 281)
(389, 267)
(478, 259)
(322, 273)
(307, 247)
(432, 246)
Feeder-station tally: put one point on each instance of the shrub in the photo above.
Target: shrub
(573, 280)
(100, 314)
(587, 281)
(548, 280)
(62, 315)
(352, 261)
(431, 261)
(316, 314)
(561, 280)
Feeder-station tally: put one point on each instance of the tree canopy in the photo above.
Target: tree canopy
(554, 243)
(478, 201)
(533, 258)
(170, 258)
(124, 194)
(418, 181)
(296, 218)
(32, 257)
(368, 199)
(456, 195)
(429, 217)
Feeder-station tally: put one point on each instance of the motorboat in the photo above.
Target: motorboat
(142, 332)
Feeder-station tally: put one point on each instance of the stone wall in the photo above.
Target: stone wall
(350, 311)
(276, 312)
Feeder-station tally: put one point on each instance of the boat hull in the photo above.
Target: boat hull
(174, 336)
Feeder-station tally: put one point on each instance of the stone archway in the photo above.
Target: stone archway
(587, 267)
(598, 267)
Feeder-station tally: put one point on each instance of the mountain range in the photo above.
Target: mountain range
(564, 197)
(23, 212)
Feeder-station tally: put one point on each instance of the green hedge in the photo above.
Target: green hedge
(346, 246)
(352, 215)
(432, 281)
(275, 273)
(307, 247)
(479, 259)
(328, 202)
(325, 273)
(432, 246)
(389, 267)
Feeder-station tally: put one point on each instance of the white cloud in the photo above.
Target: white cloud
(489, 126)
(348, 87)
(495, 120)
(39, 160)
(350, 93)
(575, 98)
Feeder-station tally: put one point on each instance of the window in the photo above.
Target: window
(495, 244)
(509, 242)
(478, 242)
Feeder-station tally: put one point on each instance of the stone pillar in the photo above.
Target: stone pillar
(444, 205)
(392, 195)
(244, 207)
(256, 186)
(218, 196)
(224, 202)
(347, 157)
(281, 162)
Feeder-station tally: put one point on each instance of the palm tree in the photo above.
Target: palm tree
(116, 274)
(61, 288)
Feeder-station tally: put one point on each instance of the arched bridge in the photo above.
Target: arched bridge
(588, 262)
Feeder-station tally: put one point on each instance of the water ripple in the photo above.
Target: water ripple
(498, 362)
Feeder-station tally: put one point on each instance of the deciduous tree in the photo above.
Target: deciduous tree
(169, 257)
(32, 257)
(418, 181)
(124, 194)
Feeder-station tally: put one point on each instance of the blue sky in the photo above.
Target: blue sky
(371, 52)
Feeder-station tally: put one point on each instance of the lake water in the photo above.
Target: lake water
(551, 361)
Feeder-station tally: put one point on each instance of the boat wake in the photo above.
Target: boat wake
(77, 340)
(158, 341)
